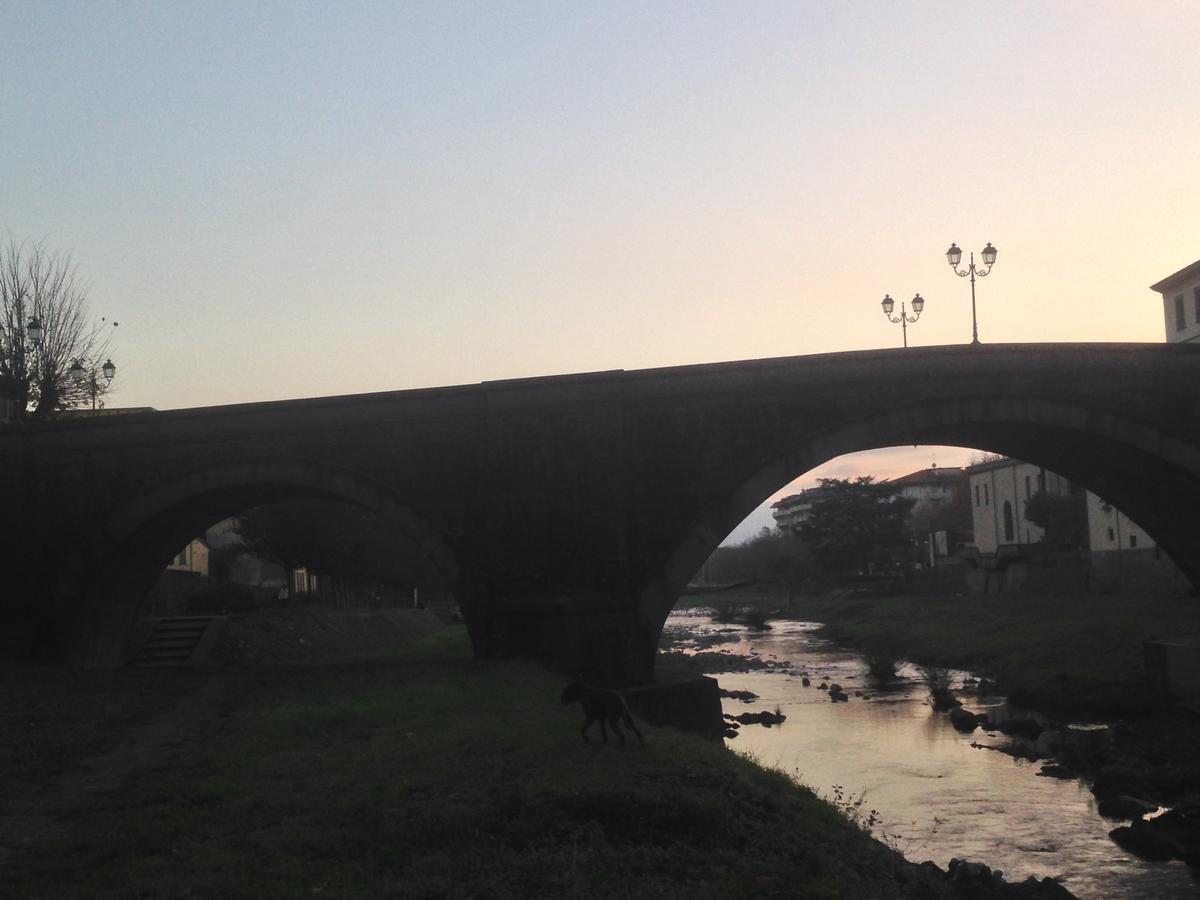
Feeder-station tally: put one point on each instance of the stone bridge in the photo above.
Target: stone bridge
(568, 512)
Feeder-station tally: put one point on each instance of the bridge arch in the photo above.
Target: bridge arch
(1151, 475)
(130, 549)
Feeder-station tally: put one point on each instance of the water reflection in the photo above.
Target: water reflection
(937, 796)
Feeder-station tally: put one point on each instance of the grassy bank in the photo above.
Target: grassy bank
(1071, 655)
(425, 775)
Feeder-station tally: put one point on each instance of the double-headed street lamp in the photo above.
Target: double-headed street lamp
(954, 256)
(13, 396)
(77, 373)
(904, 319)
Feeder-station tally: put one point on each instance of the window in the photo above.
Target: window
(986, 499)
(976, 495)
(1180, 315)
(1008, 521)
(1133, 540)
(1028, 487)
(1196, 301)
(1111, 536)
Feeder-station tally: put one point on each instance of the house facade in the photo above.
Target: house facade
(940, 526)
(1000, 489)
(192, 558)
(1181, 304)
(1111, 531)
(791, 512)
(934, 486)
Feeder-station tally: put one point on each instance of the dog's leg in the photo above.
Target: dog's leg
(629, 722)
(586, 726)
(616, 724)
(603, 730)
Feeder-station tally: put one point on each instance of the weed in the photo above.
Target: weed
(937, 677)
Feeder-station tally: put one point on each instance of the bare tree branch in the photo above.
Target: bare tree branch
(38, 284)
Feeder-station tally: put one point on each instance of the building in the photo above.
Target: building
(940, 523)
(1000, 489)
(932, 486)
(1181, 304)
(794, 510)
(1110, 530)
(192, 558)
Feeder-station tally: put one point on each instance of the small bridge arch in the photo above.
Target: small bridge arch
(132, 547)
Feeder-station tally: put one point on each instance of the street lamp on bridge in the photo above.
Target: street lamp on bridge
(78, 372)
(904, 319)
(954, 256)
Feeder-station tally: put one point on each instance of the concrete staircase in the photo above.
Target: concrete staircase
(177, 642)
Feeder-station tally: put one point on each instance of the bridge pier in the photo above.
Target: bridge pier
(603, 639)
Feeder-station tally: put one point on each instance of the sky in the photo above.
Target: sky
(284, 200)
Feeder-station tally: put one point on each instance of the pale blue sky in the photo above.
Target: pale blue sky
(298, 199)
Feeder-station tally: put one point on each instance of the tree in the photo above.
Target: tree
(858, 522)
(338, 540)
(1063, 518)
(768, 556)
(41, 287)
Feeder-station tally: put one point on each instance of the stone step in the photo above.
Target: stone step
(172, 642)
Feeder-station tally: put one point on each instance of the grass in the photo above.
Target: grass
(1072, 655)
(51, 719)
(429, 774)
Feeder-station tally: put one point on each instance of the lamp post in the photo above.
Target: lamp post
(954, 256)
(24, 348)
(77, 373)
(904, 319)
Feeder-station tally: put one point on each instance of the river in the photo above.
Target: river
(937, 797)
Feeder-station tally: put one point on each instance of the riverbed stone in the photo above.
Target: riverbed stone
(1114, 781)
(943, 699)
(1144, 842)
(963, 720)
(1025, 727)
(1055, 770)
(1125, 807)
(744, 696)
(765, 717)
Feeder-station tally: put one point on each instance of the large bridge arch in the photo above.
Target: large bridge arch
(1152, 476)
(130, 549)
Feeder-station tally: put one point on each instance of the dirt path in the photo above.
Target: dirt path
(40, 815)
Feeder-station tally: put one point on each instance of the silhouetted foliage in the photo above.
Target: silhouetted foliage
(36, 283)
(770, 556)
(861, 521)
(333, 539)
(1063, 518)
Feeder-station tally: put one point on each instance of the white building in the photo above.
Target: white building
(1109, 529)
(1000, 489)
(794, 510)
(932, 486)
(192, 558)
(1181, 304)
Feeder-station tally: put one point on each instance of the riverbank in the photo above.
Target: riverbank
(426, 774)
(1071, 658)
(1074, 657)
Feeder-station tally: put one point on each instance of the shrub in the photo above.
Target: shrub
(882, 657)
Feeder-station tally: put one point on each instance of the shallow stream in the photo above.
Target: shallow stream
(936, 796)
